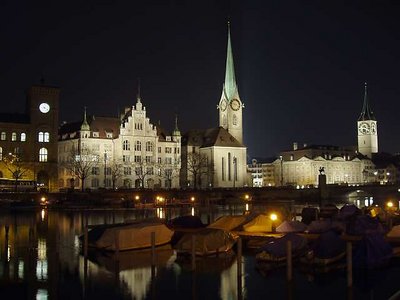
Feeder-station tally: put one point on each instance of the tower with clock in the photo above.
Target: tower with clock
(367, 129)
(230, 106)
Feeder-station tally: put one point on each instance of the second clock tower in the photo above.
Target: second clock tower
(367, 129)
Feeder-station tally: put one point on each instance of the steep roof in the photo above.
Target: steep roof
(217, 136)
(366, 112)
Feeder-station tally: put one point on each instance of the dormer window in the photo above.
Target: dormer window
(96, 134)
(168, 138)
(109, 135)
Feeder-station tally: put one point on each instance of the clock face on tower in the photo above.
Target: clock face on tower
(363, 128)
(44, 107)
(223, 105)
(235, 104)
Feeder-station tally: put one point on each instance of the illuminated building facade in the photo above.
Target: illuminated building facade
(129, 152)
(28, 141)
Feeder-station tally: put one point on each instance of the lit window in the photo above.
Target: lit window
(13, 136)
(138, 146)
(149, 146)
(43, 155)
(23, 137)
(41, 136)
(46, 137)
(3, 136)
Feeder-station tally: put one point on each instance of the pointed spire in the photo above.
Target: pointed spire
(366, 113)
(138, 93)
(85, 125)
(230, 87)
(176, 131)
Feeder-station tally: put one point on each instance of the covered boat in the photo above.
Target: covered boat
(319, 226)
(186, 222)
(328, 248)
(228, 222)
(208, 241)
(259, 223)
(276, 250)
(291, 226)
(129, 236)
(372, 251)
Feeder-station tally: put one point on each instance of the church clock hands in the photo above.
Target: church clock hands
(364, 128)
(235, 104)
(44, 107)
(223, 105)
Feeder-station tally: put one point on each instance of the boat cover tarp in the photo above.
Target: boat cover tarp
(308, 214)
(394, 232)
(372, 251)
(328, 245)
(291, 226)
(277, 247)
(186, 222)
(363, 224)
(348, 211)
(130, 236)
(319, 226)
(228, 222)
(328, 211)
(259, 223)
(207, 241)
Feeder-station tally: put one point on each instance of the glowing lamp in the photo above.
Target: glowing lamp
(273, 217)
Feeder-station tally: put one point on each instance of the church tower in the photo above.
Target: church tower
(367, 129)
(230, 106)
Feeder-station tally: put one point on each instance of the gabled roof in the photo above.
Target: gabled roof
(105, 124)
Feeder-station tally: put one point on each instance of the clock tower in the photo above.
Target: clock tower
(367, 129)
(230, 106)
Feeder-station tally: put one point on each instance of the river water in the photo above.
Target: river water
(41, 259)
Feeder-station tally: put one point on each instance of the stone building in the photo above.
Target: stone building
(124, 152)
(28, 141)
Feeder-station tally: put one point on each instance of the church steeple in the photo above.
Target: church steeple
(138, 98)
(230, 87)
(85, 125)
(366, 113)
(176, 131)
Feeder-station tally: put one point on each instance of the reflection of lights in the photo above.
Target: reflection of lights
(247, 207)
(21, 269)
(371, 200)
(43, 214)
(8, 253)
(42, 294)
(192, 211)
(366, 202)
(41, 265)
(273, 217)
(137, 281)
(160, 212)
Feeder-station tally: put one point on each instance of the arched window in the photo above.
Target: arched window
(41, 137)
(13, 136)
(149, 146)
(3, 135)
(43, 155)
(23, 137)
(46, 137)
(126, 145)
(234, 120)
(138, 146)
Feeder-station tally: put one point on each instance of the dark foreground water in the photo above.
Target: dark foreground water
(41, 259)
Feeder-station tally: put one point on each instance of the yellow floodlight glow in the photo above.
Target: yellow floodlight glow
(43, 199)
(273, 217)
(137, 197)
(247, 197)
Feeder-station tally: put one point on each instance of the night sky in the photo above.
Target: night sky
(300, 65)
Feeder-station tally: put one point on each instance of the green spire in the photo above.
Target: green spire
(85, 126)
(366, 113)
(230, 88)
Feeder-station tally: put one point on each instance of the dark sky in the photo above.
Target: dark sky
(300, 65)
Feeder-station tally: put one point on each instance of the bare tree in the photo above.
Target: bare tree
(197, 165)
(14, 164)
(143, 169)
(168, 172)
(80, 163)
(116, 168)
